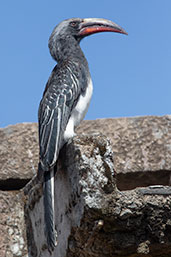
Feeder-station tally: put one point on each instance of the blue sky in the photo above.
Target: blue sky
(131, 74)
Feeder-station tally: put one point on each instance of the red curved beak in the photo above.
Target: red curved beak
(95, 25)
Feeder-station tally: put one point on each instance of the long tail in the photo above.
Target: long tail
(49, 214)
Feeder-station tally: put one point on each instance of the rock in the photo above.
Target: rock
(12, 225)
(141, 147)
(18, 155)
(18, 164)
(77, 187)
(93, 218)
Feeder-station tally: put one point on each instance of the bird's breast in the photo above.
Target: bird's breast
(82, 105)
(79, 111)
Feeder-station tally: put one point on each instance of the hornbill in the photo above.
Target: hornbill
(65, 101)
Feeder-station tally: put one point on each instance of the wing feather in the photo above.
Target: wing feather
(59, 99)
(53, 118)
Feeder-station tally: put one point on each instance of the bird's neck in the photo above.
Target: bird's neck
(67, 49)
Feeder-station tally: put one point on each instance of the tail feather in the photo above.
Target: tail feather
(49, 213)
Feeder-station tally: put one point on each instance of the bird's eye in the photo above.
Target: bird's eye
(73, 23)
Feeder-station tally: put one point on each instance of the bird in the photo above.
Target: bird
(64, 102)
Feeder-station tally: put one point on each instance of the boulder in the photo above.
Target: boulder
(112, 190)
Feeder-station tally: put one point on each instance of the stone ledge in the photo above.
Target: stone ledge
(94, 214)
(141, 148)
(93, 218)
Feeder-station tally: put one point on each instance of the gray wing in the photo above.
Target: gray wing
(60, 97)
(53, 117)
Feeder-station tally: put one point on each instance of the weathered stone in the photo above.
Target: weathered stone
(12, 225)
(77, 187)
(141, 146)
(18, 155)
(93, 218)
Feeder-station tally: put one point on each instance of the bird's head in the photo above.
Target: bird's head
(77, 29)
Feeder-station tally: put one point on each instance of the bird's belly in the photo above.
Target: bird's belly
(78, 112)
(82, 106)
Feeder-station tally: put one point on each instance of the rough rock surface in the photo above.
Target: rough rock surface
(12, 225)
(93, 218)
(141, 147)
(18, 155)
(77, 187)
